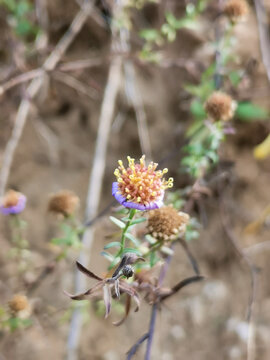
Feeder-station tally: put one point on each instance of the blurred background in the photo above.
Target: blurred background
(56, 107)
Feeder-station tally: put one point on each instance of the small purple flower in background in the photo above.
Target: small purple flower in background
(12, 203)
(139, 186)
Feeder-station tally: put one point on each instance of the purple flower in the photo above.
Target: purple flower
(139, 186)
(12, 203)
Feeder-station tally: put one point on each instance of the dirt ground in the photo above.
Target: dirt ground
(206, 321)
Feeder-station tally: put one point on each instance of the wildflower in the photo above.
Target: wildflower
(167, 223)
(19, 306)
(220, 106)
(139, 186)
(236, 10)
(64, 202)
(114, 283)
(13, 203)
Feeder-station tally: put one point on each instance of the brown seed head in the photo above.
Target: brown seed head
(220, 106)
(18, 303)
(64, 202)
(11, 198)
(235, 10)
(167, 223)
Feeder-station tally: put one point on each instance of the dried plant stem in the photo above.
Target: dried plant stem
(137, 103)
(94, 191)
(264, 34)
(35, 86)
(76, 84)
(151, 332)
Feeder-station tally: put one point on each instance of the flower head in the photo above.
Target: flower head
(63, 202)
(236, 10)
(167, 223)
(220, 106)
(139, 186)
(12, 203)
(19, 306)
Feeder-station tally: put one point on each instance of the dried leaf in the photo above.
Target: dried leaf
(86, 293)
(116, 287)
(107, 299)
(127, 309)
(132, 292)
(87, 272)
(180, 285)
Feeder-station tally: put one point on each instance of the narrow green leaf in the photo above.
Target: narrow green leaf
(247, 111)
(138, 221)
(132, 250)
(197, 109)
(107, 255)
(117, 222)
(112, 244)
(133, 239)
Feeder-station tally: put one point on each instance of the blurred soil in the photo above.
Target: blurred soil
(205, 321)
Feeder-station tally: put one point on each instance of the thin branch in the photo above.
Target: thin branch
(20, 79)
(151, 332)
(76, 84)
(135, 99)
(136, 346)
(190, 256)
(264, 34)
(34, 87)
(94, 190)
(81, 64)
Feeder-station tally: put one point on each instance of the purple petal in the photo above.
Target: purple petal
(16, 209)
(114, 187)
(133, 205)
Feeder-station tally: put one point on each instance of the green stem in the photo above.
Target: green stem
(132, 213)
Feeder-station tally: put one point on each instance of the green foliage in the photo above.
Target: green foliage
(15, 323)
(20, 17)
(246, 111)
(117, 222)
(70, 238)
(168, 31)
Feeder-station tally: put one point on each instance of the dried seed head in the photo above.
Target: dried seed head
(236, 10)
(128, 271)
(64, 202)
(12, 203)
(18, 304)
(167, 223)
(220, 106)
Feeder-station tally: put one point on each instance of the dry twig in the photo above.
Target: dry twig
(35, 86)
(264, 34)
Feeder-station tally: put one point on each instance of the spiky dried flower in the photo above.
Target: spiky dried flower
(114, 283)
(13, 202)
(220, 106)
(139, 186)
(167, 223)
(236, 10)
(64, 202)
(19, 306)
